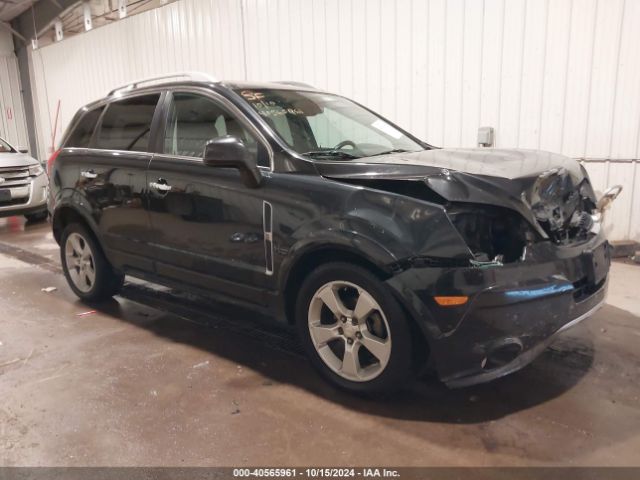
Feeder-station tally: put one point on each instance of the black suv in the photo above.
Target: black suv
(388, 254)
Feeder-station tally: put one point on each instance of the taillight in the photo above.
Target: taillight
(52, 160)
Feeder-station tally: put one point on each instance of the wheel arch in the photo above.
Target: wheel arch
(312, 257)
(65, 215)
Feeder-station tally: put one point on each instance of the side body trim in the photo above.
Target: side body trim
(267, 227)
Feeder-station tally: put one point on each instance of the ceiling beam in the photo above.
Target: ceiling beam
(41, 14)
(16, 33)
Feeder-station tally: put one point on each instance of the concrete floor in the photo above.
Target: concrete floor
(155, 378)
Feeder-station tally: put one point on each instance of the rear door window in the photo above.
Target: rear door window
(126, 125)
(81, 135)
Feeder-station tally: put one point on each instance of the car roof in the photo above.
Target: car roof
(279, 85)
(193, 79)
(126, 90)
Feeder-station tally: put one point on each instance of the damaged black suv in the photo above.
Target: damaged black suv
(388, 254)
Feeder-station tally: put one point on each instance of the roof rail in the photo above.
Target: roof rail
(295, 84)
(194, 76)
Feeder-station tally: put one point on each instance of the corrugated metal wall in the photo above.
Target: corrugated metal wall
(12, 122)
(557, 75)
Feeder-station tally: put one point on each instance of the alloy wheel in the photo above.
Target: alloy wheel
(80, 262)
(349, 331)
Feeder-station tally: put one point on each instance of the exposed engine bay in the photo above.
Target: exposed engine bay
(493, 234)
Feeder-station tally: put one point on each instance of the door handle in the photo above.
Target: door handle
(89, 174)
(161, 187)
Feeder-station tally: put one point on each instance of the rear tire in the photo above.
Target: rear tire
(353, 330)
(88, 272)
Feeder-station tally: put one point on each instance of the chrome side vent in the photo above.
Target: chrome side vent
(267, 226)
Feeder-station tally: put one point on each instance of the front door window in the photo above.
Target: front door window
(193, 120)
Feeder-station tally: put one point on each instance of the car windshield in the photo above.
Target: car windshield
(324, 126)
(5, 147)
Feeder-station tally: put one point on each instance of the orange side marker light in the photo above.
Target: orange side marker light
(451, 301)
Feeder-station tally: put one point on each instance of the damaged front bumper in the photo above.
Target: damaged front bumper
(513, 310)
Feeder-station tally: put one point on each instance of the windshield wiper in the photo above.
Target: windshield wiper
(395, 150)
(330, 153)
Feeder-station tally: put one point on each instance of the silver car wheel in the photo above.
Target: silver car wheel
(349, 331)
(80, 262)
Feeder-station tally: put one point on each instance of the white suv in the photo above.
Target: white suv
(23, 184)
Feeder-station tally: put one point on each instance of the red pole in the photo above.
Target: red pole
(55, 128)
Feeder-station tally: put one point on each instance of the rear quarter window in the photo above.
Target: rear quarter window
(126, 125)
(81, 134)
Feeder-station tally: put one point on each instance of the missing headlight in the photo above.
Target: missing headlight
(491, 232)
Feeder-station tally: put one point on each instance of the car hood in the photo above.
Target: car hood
(535, 183)
(487, 162)
(16, 160)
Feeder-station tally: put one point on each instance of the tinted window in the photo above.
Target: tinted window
(126, 125)
(81, 135)
(194, 120)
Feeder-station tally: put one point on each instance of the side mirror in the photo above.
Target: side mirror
(231, 152)
(23, 149)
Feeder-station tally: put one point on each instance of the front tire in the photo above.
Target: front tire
(88, 272)
(353, 330)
